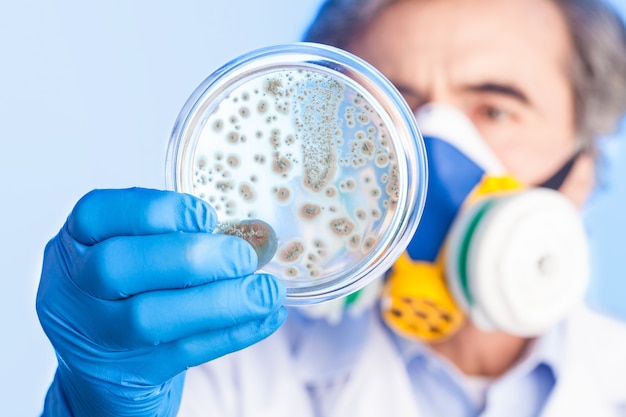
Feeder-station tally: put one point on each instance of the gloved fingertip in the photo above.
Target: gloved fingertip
(198, 216)
(280, 316)
(264, 291)
(245, 256)
(272, 323)
(83, 219)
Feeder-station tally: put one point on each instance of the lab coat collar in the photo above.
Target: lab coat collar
(376, 382)
(585, 378)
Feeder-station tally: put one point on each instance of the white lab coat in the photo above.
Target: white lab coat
(268, 380)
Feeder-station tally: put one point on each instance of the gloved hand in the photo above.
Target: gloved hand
(134, 290)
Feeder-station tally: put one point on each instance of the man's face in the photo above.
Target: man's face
(502, 62)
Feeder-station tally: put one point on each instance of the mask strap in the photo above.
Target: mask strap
(558, 178)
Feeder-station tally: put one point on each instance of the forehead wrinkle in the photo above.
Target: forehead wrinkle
(463, 52)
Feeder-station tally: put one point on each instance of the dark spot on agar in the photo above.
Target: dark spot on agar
(233, 161)
(354, 241)
(381, 160)
(341, 226)
(291, 271)
(224, 186)
(275, 138)
(233, 137)
(348, 185)
(363, 118)
(218, 125)
(310, 211)
(282, 108)
(244, 112)
(369, 243)
(283, 194)
(291, 252)
(246, 192)
(262, 106)
(281, 165)
(367, 148)
(273, 86)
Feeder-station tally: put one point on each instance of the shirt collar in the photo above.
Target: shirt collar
(545, 349)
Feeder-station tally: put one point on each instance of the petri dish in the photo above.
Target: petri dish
(316, 143)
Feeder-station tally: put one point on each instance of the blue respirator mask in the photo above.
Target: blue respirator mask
(488, 248)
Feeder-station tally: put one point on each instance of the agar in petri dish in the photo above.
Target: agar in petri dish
(320, 150)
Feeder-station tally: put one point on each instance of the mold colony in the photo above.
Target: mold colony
(256, 232)
(307, 154)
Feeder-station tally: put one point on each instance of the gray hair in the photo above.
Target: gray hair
(597, 69)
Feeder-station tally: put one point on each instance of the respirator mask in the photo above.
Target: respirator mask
(488, 248)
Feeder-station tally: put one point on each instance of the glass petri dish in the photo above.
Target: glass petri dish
(316, 143)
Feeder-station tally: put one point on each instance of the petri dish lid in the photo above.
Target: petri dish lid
(316, 143)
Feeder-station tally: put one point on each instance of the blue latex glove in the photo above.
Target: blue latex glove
(134, 290)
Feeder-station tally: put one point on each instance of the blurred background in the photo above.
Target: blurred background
(89, 92)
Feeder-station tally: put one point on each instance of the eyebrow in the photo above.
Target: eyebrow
(405, 90)
(502, 89)
(488, 87)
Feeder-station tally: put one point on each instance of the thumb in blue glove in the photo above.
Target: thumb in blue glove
(134, 290)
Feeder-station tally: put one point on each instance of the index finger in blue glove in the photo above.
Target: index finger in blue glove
(169, 359)
(102, 214)
(124, 266)
(157, 317)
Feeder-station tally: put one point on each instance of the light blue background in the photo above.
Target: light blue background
(88, 95)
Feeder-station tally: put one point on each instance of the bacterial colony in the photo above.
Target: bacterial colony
(310, 156)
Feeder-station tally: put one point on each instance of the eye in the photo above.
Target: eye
(412, 98)
(494, 113)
